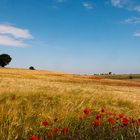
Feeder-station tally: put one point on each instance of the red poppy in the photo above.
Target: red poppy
(49, 134)
(103, 110)
(121, 115)
(55, 130)
(64, 130)
(81, 116)
(86, 111)
(138, 121)
(110, 120)
(34, 138)
(45, 123)
(132, 120)
(125, 121)
(96, 122)
(98, 116)
(115, 115)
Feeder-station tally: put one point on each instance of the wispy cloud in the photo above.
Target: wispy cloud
(137, 8)
(15, 32)
(13, 36)
(117, 3)
(61, 1)
(9, 41)
(131, 5)
(136, 34)
(87, 5)
(132, 20)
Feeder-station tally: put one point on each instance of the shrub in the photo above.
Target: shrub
(5, 59)
(31, 68)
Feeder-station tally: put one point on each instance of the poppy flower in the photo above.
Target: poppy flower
(125, 121)
(49, 134)
(121, 115)
(132, 120)
(81, 116)
(96, 122)
(103, 110)
(45, 123)
(110, 120)
(138, 121)
(86, 111)
(115, 115)
(34, 138)
(55, 130)
(64, 130)
(98, 116)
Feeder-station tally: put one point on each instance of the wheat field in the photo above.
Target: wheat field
(27, 97)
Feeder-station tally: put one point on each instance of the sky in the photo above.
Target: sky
(73, 36)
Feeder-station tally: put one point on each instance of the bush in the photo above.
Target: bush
(5, 59)
(130, 77)
(31, 68)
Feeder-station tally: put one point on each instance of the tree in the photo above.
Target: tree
(31, 68)
(110, 73)
(5, 59)
(130, 77)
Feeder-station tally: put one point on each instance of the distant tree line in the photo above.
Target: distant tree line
(109, 73)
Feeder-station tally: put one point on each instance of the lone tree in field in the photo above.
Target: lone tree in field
(5, 59)
(31, 68)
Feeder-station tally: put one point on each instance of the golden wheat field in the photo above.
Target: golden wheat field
(28, 97)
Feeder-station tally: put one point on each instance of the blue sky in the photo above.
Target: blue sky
(75, 36)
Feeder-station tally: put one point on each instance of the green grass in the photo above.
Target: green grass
(122, 76)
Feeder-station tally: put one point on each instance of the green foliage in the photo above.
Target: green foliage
(31, 68)
(5, 59)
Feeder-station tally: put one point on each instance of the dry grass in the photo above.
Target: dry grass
(27, 97)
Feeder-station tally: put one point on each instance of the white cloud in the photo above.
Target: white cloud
(137, 8)
(61, 1)
(136, 34)
(11, 35)
(15, 32)
(132, 20)
(116, 3)
(9, 41)
(131, 5)
(87, 5)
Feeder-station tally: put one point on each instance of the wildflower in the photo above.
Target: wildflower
(64, 130)
(49, 134)
(103, 110)
(96, 122)
(138, 121)
(81, 116)
(98, 116)
(110, 120)
(55, 130)
(86, 111)
(115, 115)
(45, 123)
(34, 138)
(125, 121)
(121, 115)
(132, 120)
